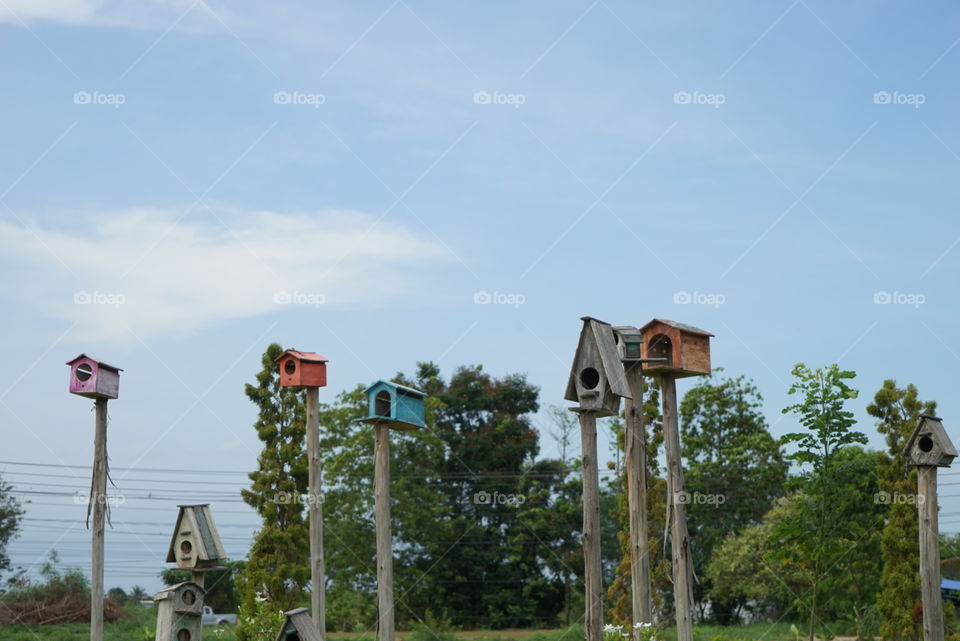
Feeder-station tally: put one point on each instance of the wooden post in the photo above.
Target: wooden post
(317, 570)
(98, 496)
(381, 484)
(636, 460)
(679, 541)
(593, 582)
(929, 553)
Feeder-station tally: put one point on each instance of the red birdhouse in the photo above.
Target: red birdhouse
(92, 378)
(685, 349)
(302, 369)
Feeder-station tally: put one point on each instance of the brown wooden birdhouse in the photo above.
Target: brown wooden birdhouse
(597, 380)
(195, 544)
(93, 379)
(685, 350)
(929, 444)
(302, 369)
(298, 627)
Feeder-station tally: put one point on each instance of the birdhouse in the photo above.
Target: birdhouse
(399, 406)
(685, 349)
(929, 444)
(596, 379)
(195, 544)
(302, 369)
(179, 612)
(298, 627)
(92, 378)
(629, 343)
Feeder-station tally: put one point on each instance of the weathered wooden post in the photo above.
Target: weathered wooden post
(309, 370)
(389, 406)
(596, 384)
(100, 381)
(929, 447)
(630, 343)
(682, 351)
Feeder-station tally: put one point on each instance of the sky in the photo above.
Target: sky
(184, 182)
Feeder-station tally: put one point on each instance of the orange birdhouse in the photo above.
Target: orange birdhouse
(685, 350)
(302, 369)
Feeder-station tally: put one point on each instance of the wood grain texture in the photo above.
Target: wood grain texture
(98, 496)
(636, 456)
(679, 540)
(929, 554)
(317, 567)
(381, 483)
(593, 581)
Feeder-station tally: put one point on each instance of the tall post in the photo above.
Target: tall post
(636, 460)
(679, 541)
(593, 615)
(317, 570)
(929, 553)
(381, 484)
(98, 496)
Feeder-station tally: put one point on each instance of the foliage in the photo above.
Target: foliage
(261, 622)
(11, 515)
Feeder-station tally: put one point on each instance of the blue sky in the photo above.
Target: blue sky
(184, 183)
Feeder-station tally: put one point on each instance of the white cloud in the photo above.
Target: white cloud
(144, 270)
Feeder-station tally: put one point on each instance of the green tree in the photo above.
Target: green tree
(11, 515)
(897, 411)
(731, 460)
(277, 566)
(819, 531)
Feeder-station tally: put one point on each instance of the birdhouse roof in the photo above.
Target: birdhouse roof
(167, 591)
(208, 544)
(934, 425)
(601, 334)
(681, 326)
(96, 360)
(400, 388)
(307, 357)
(301, 621)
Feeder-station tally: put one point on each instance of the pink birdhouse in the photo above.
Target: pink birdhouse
(93, 379)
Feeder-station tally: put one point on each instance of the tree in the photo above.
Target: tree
(819, 530)
(138, 594)
(11, 515)
(731, 462)
(897, 411)
(277, 566)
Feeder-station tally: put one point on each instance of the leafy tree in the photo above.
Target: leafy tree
(819, 531)
(277, 566)
(897, 411)
(11, 514)
(118, 595)
(138, 594)
(731, 460)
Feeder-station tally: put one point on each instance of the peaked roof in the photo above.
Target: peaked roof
(99, 362)
(935, 425)
(309, 357)
(681, 326)
(208, 541)
(402, 388)
(302, 623)
(600, 334)
(165, 592)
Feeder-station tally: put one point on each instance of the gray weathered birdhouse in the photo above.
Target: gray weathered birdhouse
(298, 627)
(596, 379)
(629, 343)
(684, 348)
(179, 612)
(195, 544)
(92, 378)
(929, 444)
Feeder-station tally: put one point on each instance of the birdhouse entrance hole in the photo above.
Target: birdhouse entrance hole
(184, 635)
(589, 378)
(189, 597)
(290, 367)
(382, 404)
(660, 347)
(84, 372)
(186, 547)
(925, 443)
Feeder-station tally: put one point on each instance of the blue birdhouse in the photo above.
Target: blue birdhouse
(399, 406)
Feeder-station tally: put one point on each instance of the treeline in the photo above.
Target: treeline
(487, 533)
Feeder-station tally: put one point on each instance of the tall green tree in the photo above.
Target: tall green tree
(277, 566)
(819, 531)
(11, 515)
(733, 466)
(897, 411)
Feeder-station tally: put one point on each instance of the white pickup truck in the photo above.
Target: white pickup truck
(211, 618)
